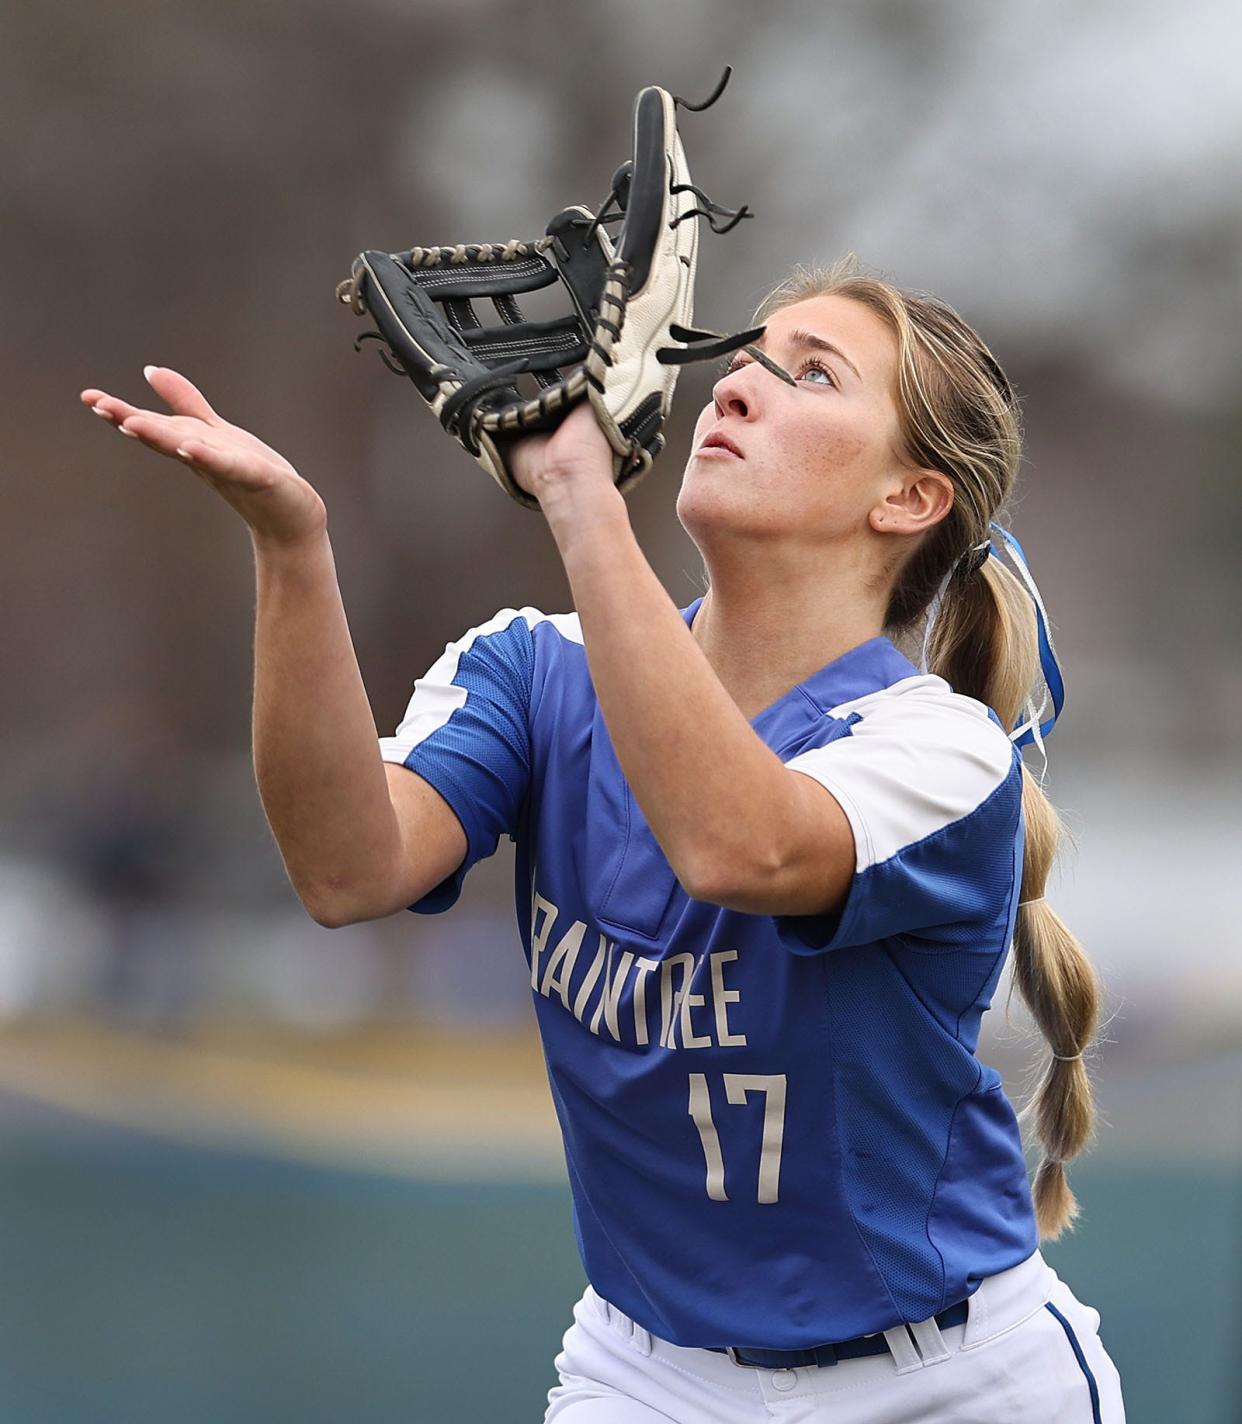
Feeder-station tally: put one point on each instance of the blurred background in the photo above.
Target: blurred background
(251, 1169)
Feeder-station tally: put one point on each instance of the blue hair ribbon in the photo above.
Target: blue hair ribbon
(1033, 729)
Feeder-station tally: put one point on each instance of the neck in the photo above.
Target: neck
(765, 630)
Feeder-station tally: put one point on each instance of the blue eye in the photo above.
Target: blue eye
(812, 365)
(809, 364)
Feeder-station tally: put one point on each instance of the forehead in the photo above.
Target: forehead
(864, 337)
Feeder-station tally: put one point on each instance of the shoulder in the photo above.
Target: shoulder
(521, 623)
(916, 758)
(490, 676)
(511, 636)
(923, 713)
(518, 655)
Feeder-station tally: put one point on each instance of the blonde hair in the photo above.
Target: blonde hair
(958, 414)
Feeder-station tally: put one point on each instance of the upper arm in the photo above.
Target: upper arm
(813, 863)
(465, 738)
(433, 844)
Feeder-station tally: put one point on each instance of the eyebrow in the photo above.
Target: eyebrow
(809, 341)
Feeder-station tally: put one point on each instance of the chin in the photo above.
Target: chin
(701, 504)
(711, 510)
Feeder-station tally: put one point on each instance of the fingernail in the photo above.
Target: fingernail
(130, 433)
(146, 371)
(185, 454)
(99, 410)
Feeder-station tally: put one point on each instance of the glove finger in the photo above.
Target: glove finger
(182, 396)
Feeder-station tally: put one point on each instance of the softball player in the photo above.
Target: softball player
(768, 870)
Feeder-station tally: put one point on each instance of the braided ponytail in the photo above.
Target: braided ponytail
(959, 415)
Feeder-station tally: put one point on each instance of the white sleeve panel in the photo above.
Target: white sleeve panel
(436, 696)
(466, 731)
(920, 758)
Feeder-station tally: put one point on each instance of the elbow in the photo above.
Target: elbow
(725, 881)
(800, 860)
(333, 907)
(775, 887)
(331, 916)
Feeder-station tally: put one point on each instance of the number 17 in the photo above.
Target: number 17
(736, 1086)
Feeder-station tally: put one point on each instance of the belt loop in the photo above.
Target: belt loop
(930, 1341)
(1007, 1298)
(641, 1339)
(592, 1300)
(902, 1347)
(978, 1322)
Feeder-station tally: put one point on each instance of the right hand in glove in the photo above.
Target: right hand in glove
(280, 507)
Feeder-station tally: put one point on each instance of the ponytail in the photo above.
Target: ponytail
(984, 645)
(1060, 987)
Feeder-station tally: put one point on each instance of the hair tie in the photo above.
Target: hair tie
(1067, 1057)
(1034, 900)
(973, 559)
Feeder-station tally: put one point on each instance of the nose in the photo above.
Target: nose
(732, 395)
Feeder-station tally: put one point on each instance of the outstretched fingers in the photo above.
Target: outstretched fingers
(257, 481)
(181, 396)
(112, 408)
(162, 433)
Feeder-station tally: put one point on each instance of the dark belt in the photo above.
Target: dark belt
(830, 1354)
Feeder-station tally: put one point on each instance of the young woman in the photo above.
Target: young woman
(768, 873)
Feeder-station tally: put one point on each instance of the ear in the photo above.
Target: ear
(922, 501)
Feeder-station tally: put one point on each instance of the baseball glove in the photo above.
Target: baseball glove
(620, 345)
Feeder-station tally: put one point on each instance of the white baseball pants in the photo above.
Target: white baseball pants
(1030, 1353)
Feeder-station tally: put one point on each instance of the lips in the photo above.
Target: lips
(716, 441)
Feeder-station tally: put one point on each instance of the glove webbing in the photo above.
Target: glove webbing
(547, 345)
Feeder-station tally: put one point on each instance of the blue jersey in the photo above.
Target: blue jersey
(776, 1129)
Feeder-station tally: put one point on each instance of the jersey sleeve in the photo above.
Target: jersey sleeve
(932, 788)
(466, 730)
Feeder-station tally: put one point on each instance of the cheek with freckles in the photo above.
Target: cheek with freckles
(821, 450)
(829, 467)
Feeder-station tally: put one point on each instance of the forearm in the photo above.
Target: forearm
(710, 789)
(316, 757)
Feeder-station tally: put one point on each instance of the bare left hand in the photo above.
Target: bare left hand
(577, 452)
